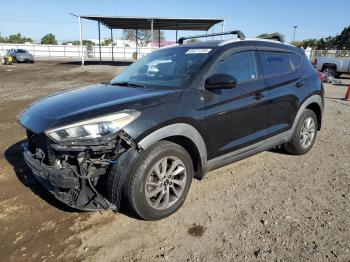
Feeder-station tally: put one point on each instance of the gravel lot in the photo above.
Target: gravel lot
(271, 206)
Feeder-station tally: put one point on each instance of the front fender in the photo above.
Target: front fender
(178, 129)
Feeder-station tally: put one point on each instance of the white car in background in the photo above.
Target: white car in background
(22, 55)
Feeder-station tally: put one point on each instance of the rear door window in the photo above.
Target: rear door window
(242, 66)
(274, 63)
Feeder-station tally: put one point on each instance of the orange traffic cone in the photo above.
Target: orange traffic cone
(347, 96)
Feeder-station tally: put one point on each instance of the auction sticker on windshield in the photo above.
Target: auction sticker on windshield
(198, 51)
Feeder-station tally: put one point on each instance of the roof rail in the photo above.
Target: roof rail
(273, 37)
(236, 32)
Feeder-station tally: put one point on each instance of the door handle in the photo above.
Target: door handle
(259, 95)
(300, 84)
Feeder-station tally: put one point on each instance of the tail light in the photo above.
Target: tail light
(322, 76)
(314, 61)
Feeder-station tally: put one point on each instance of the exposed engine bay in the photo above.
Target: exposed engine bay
(76, 175)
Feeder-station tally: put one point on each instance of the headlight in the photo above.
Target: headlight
(94, 128)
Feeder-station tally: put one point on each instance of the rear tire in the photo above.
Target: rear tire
(304, 134)
(160, 180)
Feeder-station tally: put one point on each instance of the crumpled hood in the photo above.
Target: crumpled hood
(93, 101)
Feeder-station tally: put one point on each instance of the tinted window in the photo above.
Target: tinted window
(242, 66)
(275, 63)
(295, 60)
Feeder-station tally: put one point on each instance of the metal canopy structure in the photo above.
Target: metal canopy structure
(146, 23)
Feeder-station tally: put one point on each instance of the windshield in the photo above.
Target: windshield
(165, 68)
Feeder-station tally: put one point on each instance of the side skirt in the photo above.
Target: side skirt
(248, 151)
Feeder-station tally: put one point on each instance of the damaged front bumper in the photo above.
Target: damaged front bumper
(75, 175)
(65, 185)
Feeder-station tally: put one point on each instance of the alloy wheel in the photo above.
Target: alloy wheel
(165, 183)
(307, 132)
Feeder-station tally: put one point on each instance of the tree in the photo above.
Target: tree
(297, 43)
(274, 35)
(144, 36)
(313, 43)
(17, 39)
(106, 42)
(327, 43)
(343, 40)
(49, 39)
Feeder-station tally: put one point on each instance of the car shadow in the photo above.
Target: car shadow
(333, 98)
(341, 84)
(278, 150)
(14, 156)
(343, 77)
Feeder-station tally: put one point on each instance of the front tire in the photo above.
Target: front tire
(160, 181)
(330, 71)
(304, 134)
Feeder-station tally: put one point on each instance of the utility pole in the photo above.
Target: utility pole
(81, 43)
(152, 36)
(295, 27)
(99, 39)
(81, 49)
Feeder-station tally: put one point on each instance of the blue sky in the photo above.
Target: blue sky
(314, 19)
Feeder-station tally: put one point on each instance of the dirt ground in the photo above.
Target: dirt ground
(271, 206)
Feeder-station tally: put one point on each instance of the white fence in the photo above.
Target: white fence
(73, 51)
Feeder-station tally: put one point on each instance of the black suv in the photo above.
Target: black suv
(178, 113)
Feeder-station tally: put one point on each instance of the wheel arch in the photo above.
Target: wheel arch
(193, 151)
(314, 103)
(315, 107)
(186, 136)
(329, 65)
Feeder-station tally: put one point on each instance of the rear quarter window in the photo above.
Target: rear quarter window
(295, 59)
(274, 63)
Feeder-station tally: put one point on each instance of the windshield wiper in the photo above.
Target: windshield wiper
(126, 84)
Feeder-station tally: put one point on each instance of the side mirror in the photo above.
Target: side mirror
(220, 81)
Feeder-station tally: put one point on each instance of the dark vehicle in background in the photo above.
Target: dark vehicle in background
(175, 114)
(22, 55)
